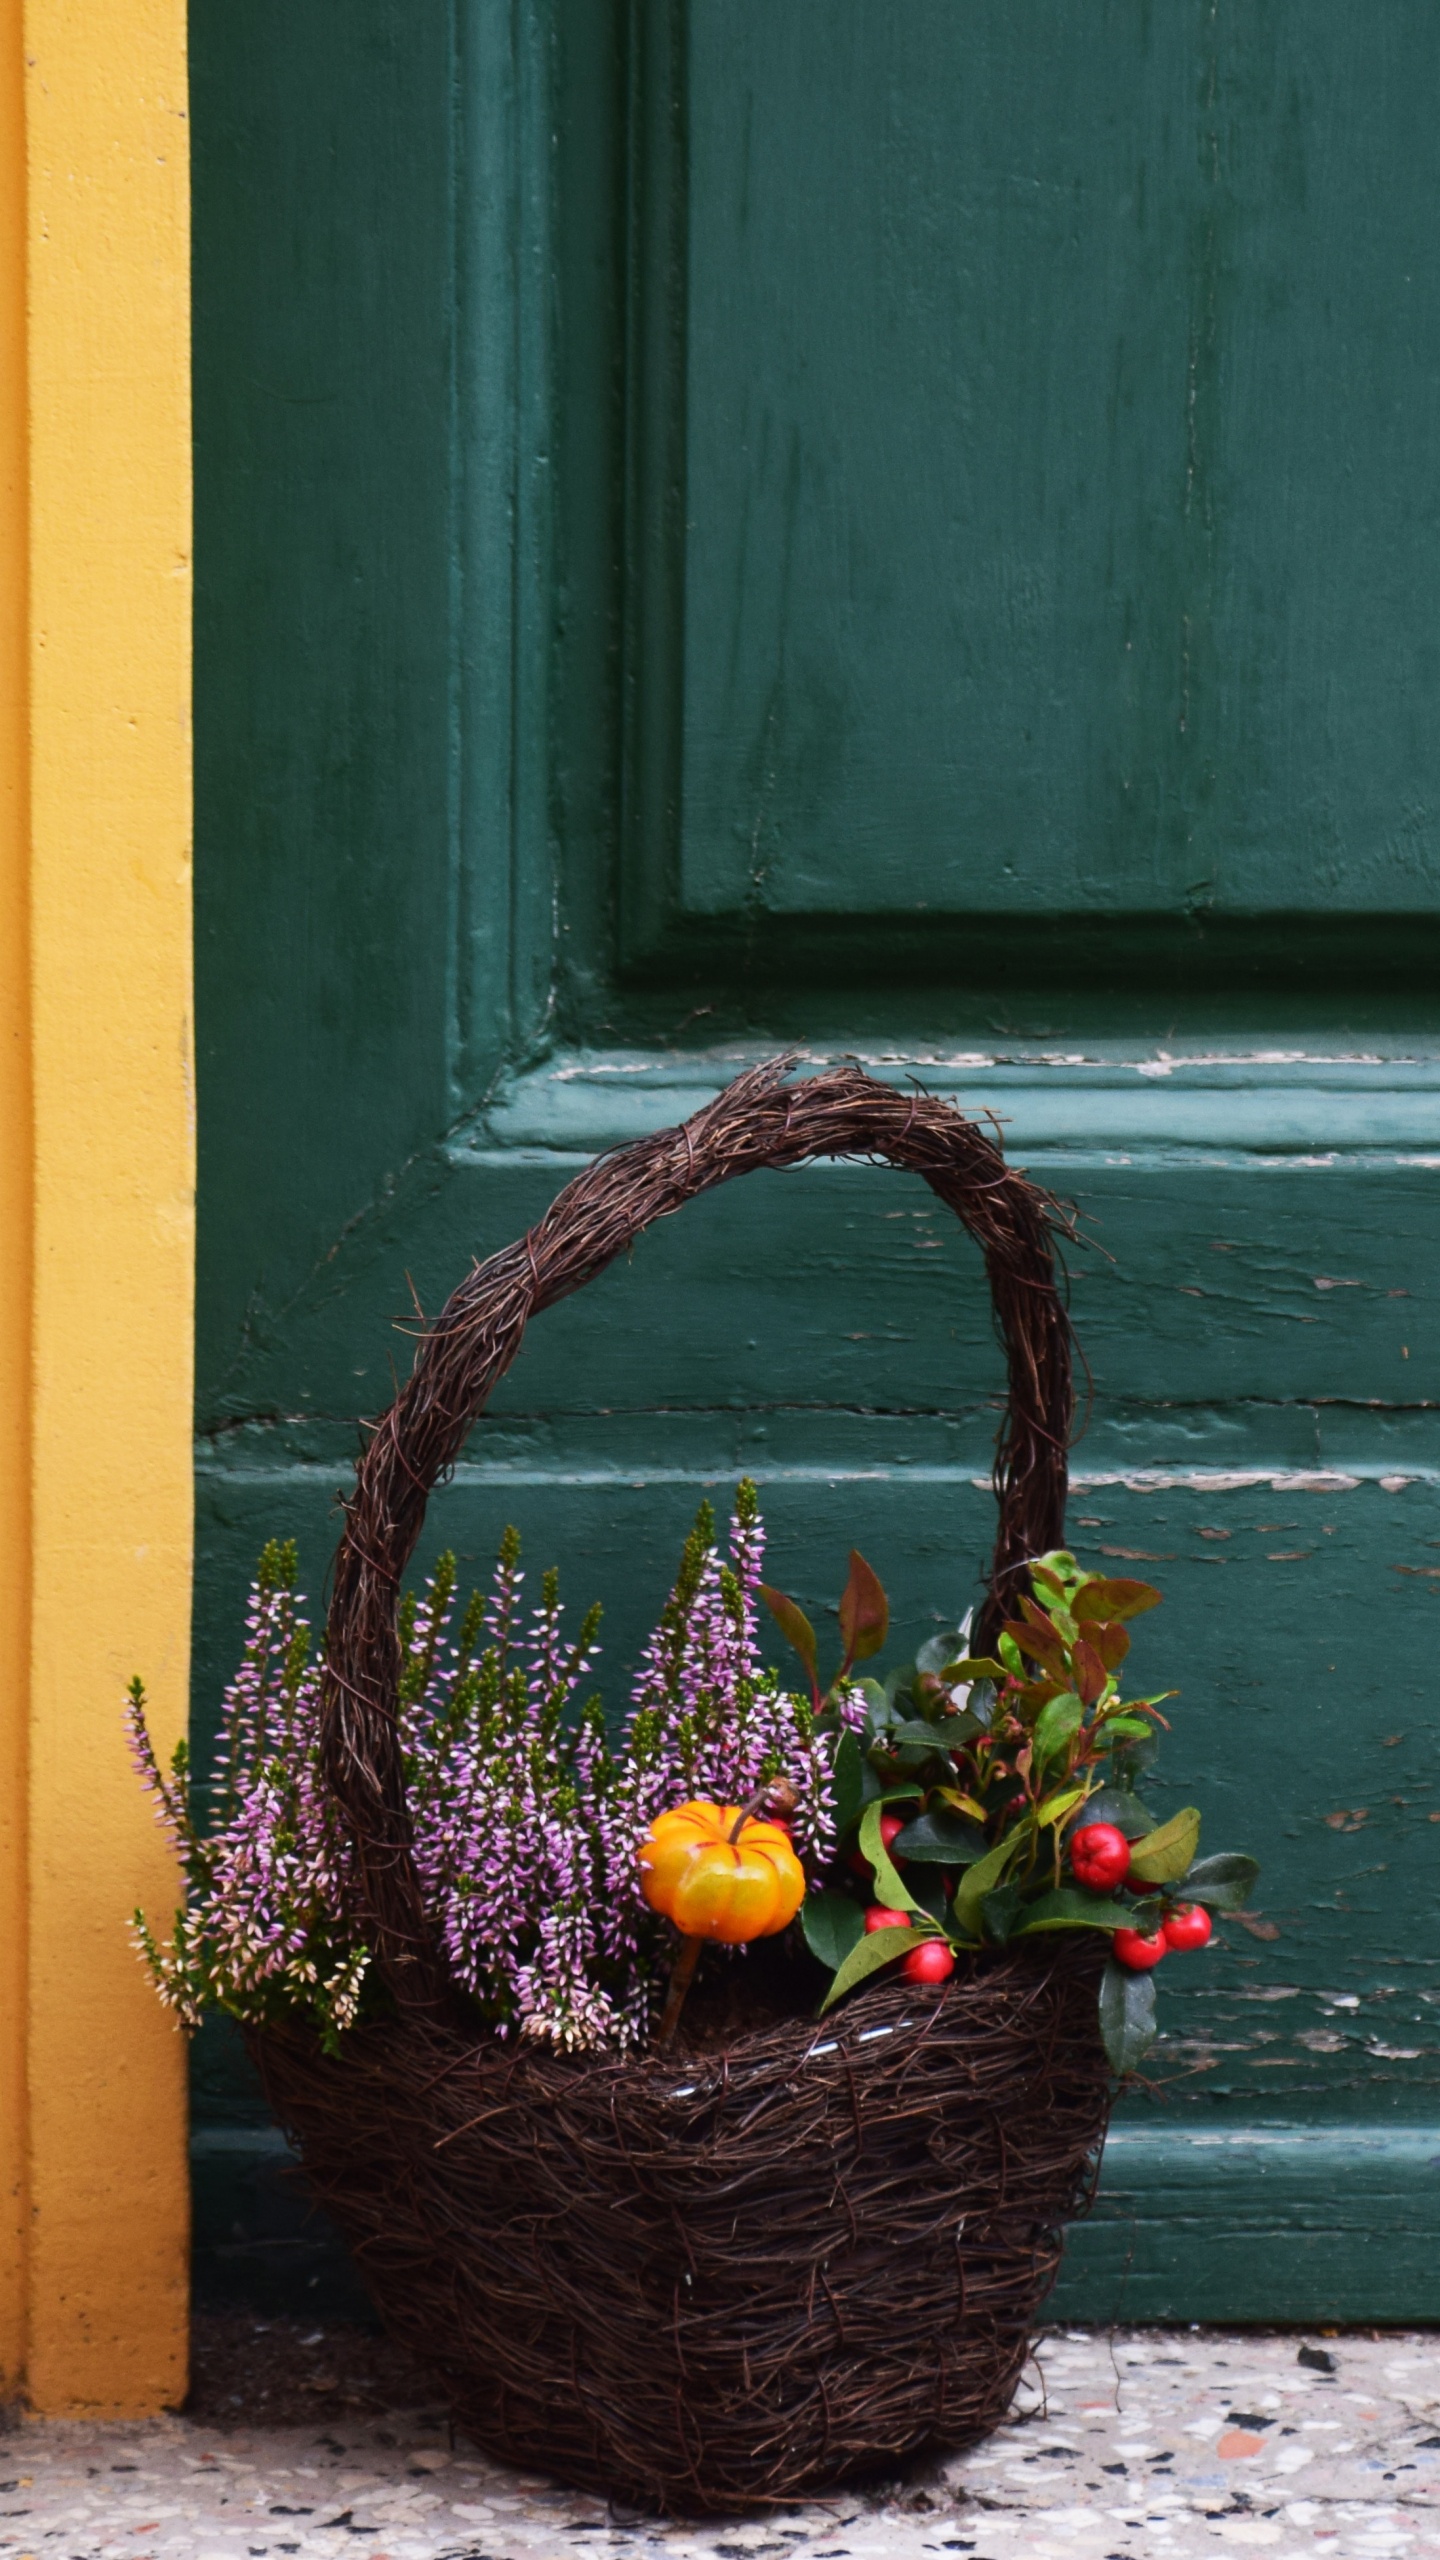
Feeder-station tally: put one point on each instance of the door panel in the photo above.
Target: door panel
(1056, 390)
(908, 530)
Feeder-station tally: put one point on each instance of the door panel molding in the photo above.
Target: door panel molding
(1171, 731)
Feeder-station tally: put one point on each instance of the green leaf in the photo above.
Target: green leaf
(889, 1887)
(875, 1948)
(883, 1724)
(1000, 1910)
(1117, 1805)
(1056, 1724)
(848, 1775)
(1224, 1882)
(1069, 1907)
(908, 1756)
(955, 1800)
(983, 1877)
(1127, 2015)
(1049, 1588)
(1121, 1729)
(864, 1611)
(930, 1892)
(908, 1729)
(833, 1924)
(1158, 1857)
(1052, 1809)
(938, 1652)
(942, 1733)
(1131, 1759)
(1119, 1599)
(981, 1702)
(942, 1840)
(1058, 1566)
(793, 1624)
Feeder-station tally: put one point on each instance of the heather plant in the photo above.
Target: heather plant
(514, 1803)
(707, 1721)
(525, 1814)
(262, 1929)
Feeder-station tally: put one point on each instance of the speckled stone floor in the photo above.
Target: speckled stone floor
(1163, 2442)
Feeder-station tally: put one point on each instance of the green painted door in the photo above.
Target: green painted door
(912, 531)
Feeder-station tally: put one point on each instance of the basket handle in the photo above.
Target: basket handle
(759, 1120)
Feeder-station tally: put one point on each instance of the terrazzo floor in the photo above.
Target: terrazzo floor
(1163, 2442)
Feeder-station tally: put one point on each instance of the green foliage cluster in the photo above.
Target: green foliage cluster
(992, 1765)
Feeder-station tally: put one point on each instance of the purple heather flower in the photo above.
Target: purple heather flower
(525, 1818)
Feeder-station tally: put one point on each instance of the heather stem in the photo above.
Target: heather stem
(682, 1974)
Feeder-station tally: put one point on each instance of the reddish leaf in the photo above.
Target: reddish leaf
(864, 1612)
(793, 1624)
(1038, 1693)
(1041, 1643)
(1033, 1611)
(1119, 1599)
(1110, 1641)
(1090, 1672)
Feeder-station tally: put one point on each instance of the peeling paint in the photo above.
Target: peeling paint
(1233, 1480)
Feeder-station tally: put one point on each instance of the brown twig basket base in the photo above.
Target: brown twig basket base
(716, 2280)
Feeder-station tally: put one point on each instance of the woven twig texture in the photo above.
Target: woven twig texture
(709, 2282)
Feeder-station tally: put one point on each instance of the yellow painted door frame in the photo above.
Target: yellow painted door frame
(96, 1181)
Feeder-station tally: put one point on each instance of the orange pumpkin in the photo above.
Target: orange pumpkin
(715, 1886)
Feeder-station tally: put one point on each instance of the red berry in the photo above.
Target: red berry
(877, 1917)
(1138, 1953)
(891, 1826)
(1099, 1856)
(1188, 1925)
(931, 1961)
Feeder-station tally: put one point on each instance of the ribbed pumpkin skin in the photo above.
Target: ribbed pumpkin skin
(714, 1886)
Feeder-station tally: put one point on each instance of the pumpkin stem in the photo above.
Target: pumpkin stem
(777, 1796)
(682, 1974)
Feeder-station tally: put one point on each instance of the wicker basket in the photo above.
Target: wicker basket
(708, 2280)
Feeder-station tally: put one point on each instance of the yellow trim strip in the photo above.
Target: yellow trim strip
(96, 704)
(16, 1198)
